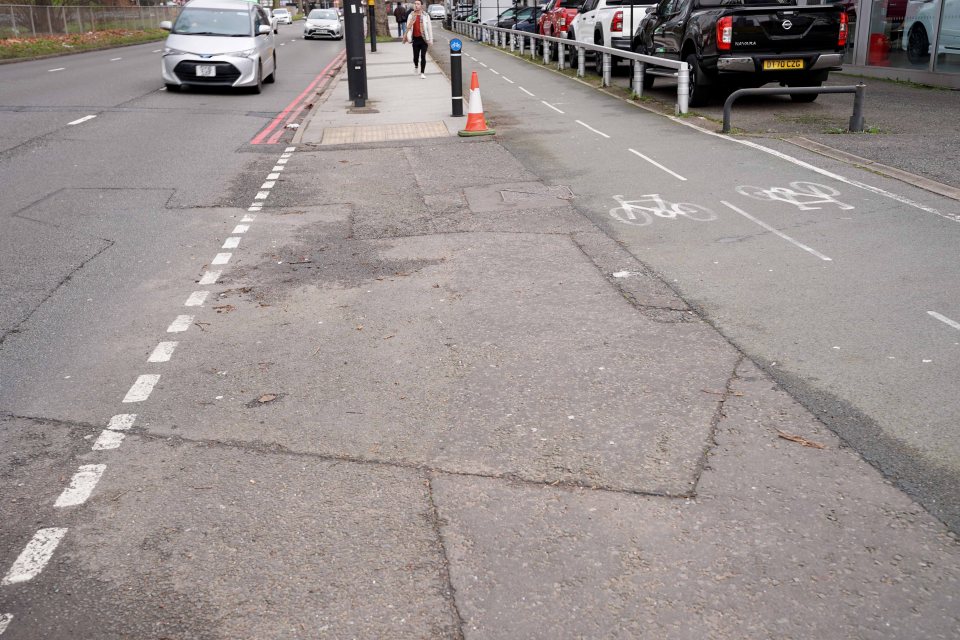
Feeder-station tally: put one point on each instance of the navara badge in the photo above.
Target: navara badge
(787, 25)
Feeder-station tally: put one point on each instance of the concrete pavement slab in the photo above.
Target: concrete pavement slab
(782, 541)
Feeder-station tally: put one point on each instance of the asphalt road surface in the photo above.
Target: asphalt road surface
(851, 304)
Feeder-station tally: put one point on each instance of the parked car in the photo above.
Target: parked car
(917, 29)
(505, 15)
(323, 23)
(522, 13)
(283, 16)
(436, 12)
(528, 21)
(556, 17)
(227, 43)
(750, 43)
(607, 23)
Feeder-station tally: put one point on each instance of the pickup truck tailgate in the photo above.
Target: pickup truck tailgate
(786, 30)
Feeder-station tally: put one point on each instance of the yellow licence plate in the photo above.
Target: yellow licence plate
(779, 65)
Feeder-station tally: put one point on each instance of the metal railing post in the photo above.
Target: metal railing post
(639, 68)
(581, 62)
(546, 52)
(561, 56)
(33, 26)
(856, 120)
(513, 42)
(523, 41)
(683, 89)
(606, 69)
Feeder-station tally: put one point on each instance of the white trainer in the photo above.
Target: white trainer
(423, 75)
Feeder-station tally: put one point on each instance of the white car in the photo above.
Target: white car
(283, 16)
(226, 43)
(918, 32)
(323, 23)
(436, 12)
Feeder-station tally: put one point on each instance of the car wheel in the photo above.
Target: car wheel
(173, 88)
(918, 45)
(598, 57)
(258, 87)
(270, 79)
(699, 89)
(805, 97)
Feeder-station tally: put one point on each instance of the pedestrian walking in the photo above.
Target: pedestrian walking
(420, 34)
(400, 13)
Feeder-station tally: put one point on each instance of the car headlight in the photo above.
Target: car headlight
(246, 53)
(170, 51)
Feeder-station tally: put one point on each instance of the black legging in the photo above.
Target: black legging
(420, 53)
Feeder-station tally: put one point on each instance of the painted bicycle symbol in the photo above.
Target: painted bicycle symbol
(805, 195)
(641, 212)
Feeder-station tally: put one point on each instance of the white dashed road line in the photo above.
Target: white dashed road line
(526, 92)
(57, 69)
(551, 106)
(221, 258)
(182, 323)
(657, 164)
(248, 218)
(162, 352)
(241, 228)
(115, 59)
(81, 485)
(83, 119)
(507, 79)
(494, 72)
(5, 621)
(584, 124)
(269, 184)
(262, 195)
(142, 388)
(944, 319)
(231, 243)
(746, 215)
(111, 437)
(35, 555)
(210, 277)
(196, 299)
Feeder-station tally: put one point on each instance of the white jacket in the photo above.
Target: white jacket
(426, 27)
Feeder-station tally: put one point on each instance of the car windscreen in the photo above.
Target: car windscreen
(323, 14)
(573, 4)
(281, 12)
(213, 22)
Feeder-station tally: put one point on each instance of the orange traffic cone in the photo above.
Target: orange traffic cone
(476, 123)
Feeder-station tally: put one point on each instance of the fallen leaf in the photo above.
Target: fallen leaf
(359, 327)
(267, 397)
(388, 337)
(800, 440)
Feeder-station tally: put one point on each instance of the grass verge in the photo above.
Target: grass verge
(22, 48)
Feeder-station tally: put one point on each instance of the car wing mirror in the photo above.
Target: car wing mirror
(166, 25)
(264, 29)
(651, 9)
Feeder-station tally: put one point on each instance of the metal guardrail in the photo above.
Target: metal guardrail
(500, 37)
(856, 120)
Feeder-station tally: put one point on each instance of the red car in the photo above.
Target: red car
(555, 19)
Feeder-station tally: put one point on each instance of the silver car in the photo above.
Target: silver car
(283, 16)
(225, 43)
(323, 23)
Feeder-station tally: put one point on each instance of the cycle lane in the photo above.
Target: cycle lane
(853, 335)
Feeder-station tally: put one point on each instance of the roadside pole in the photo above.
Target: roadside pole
(456, 77)
(371, 18)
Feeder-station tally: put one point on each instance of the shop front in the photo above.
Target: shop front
(917, 40)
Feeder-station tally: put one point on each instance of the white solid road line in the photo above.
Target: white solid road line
(81, 485)
(241, 228)
(142, 388)
(582, 123)
(944, 319)
(657, 164)
(196, 299)
(5, 621)
(182, 323)
(746, 215)
(83, 119)
(57, 69)
(210, 277)
(551, 106)
(35, 555)
(231, 243)
(162, 352)
(526, 92)
(221, 258)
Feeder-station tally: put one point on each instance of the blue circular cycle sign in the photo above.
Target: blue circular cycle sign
(456, 45)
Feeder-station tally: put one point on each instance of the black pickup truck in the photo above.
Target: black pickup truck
(745, 42)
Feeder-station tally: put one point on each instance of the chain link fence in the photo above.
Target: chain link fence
(25, 21)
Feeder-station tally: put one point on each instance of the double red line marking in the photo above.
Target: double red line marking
(271, 134)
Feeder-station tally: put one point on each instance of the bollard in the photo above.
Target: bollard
(606, 69)
(639, 68)
(581, 62)
(456, 77)
(683, 89)
(856, 120)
